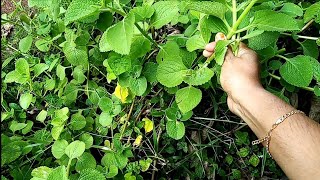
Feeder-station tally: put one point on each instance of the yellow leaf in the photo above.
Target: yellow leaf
(138, 140)
(121, 92)
(148, 125)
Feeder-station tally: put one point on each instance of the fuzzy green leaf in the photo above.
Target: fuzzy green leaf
(171, 73)
(58, 148)
(149, 70)
(143, 12)
(292, 9)
(75, 149)
(268, 20)
(220, 51)
(85, 161)
(297, 71)
(119, 36)
(312, 11)
(195, 42)
(188, 98)
(81, 9)
(78, 122)
(39, 68)
(316, 68)
(41, 172)
(175, 129)
(164, 12)
(112, 158)
(25, 44)
(87, 139)
(91, 174)
(215, 24)
(105, 104)
(76, 55)
(15, 126)
(310, 48)
(199, 76)
(58, 173)
(25, 100)
(138, 86)
(168, 51)
(207, 7)
(105, 119)
(263, 40)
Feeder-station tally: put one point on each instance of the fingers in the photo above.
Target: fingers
(210, 47)
(229, 54)
(220, 36)
(207, 53)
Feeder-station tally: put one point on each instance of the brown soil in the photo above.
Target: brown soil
(7, 6)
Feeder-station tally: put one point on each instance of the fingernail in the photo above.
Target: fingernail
(220, 36)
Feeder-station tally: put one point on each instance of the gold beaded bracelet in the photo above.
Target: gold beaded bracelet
(267, 138)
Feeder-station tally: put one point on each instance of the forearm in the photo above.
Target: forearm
(295, 143)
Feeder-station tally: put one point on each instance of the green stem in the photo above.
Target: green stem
(282, 57)
(68, 167)
(242, 16)
(144, 33)
(234, 13)
(307, 25)
(302, 37)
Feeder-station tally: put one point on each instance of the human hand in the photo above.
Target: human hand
(239, 74)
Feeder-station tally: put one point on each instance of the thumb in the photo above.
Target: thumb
(245, 51)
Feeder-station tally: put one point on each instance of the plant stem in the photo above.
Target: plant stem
(68, 167)
(234, 13)
(242, 16)
(145, 34)
(279, 78)
(127, 120)
(302, 37)
(307, 25)
(282, 57)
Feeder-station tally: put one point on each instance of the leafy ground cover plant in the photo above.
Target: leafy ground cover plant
(97, 89)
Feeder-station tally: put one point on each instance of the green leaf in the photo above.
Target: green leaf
(263, 40)
(149, 70)
(21, 74)
(25, 44)
(269, 20)
(25, 100)
(81, 9)
(60, 71)
(145, 164)
(195, 42)
(199, 76)
(164, 13)
(171, 73)
(43, 45)
(138, 86)
(175, 129)
(28, 128)
(76, 55)
(87, 139)
(143, 12)
(316, 68)
(188, 57)
(312, 11)
(119, 36)
(58, 173)
(75, 149)
(188, 98)
(310, 48)
(168, 51)
(118, 65)
(297, 71)
(58, 148)
(39, 69)
(10, 153)
(78, 74)
(207, 7)
(15, 126)
(56, 131)
(291, 9)
(243, 152)
(140, 46)
(229, 159)
(106, 104)
(41, 172)
(78, 121)
(112, 158)
(252, 34)
(215, 24)
(70, 93)
(112, 171)
(105, 119)
(91, 174)
(39, 3)
(85, 161)
(254, 160)
(220, 51)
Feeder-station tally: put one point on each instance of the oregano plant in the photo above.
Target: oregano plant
(119, 89)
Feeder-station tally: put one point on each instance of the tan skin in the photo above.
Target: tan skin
(295, 143)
